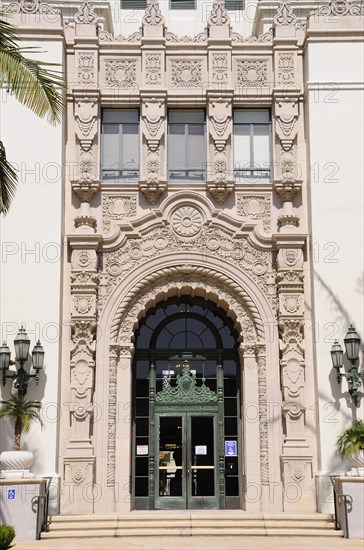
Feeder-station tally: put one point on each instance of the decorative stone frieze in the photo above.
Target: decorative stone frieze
(120, 74)
(186, 74)
(253, 74)
(173, 38)
(30, 7)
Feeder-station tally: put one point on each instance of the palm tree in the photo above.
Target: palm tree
(34, 86)
(23, 413)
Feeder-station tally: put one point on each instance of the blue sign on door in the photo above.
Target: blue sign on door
(231, 448)
(11, 494)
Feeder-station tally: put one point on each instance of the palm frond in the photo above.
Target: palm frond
(32, 83)
(8, 181)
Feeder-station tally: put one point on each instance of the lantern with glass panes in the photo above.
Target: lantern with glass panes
(353, 376)
(21, 376)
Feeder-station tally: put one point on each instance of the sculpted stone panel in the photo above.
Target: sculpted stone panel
(252, 73)
(255, 206)
(186, 74)
(86, 63)
(286, 68)
(220, 68)
(120, 73)
(153, 69)
(115, 207)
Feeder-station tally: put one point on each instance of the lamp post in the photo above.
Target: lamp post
(353, 376)
(21, 377)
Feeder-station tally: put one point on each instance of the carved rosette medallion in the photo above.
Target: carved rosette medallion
(187, 221)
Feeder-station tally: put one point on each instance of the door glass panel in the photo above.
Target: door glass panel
(202, 482)
(170, 456)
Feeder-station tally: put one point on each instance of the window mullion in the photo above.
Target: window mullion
(251, 135)
(121, 144)
(186, 151)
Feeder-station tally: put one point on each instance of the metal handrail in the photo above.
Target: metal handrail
(45, 524)
(347, 499)
(336, 521)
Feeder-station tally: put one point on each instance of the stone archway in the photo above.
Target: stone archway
(210, 284)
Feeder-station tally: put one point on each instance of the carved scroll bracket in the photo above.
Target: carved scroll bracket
(153, 184)
(220, 128)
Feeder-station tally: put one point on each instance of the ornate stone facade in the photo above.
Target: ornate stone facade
(136, 244)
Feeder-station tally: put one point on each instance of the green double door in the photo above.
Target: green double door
(186, 461)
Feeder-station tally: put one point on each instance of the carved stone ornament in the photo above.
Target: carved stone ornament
(255, 207)
(252, 73)
(219, 15)
(120, 74)
(153, 69)
(220, 118)
(86, 14)
(290, 258)
(86, 67)
(237, 38)
(153, 15)
(116, 207)
(220, 127)
(187, 221)
(286, 70)
(105, 36)
(153, 116)
(186, 74)
(173, 38)
(220, 68)
(286, 118)
(30, 7)
(339, 8)
(285, 15)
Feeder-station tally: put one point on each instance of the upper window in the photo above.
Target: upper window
(252, 145)
(133, 4)
(182, 4)
(232, 5)
(120, 145)
(186, 145)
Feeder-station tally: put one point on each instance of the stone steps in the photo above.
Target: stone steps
(226, 523)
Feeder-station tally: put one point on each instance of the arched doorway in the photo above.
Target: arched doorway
(186, 445)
